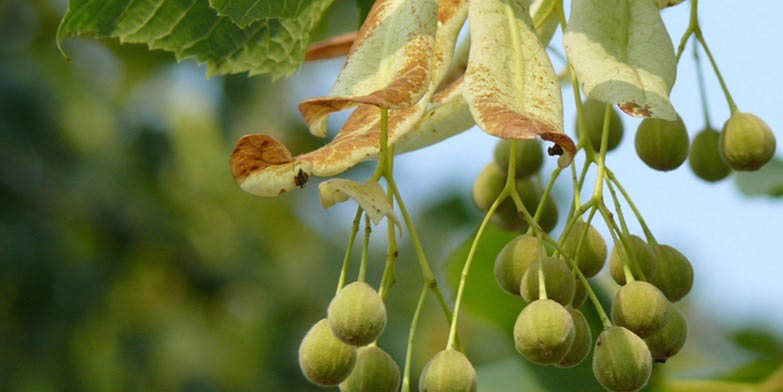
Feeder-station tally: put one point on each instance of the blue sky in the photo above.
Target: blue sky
(735, 243)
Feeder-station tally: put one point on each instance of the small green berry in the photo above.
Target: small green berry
(674, 273)
(530, 191)
(583, 341)
(640, 307)
(594, 120)
(375, 371)
(544, 332)
(592, 255)
(357, 315)
(448, 371)
(514, 259)
(324, 359)
(621, 360)
(580, 293)
(558, 279)
(746, 142)
(668, 341)
(529, 156)
(661, 144)
(488, 186)
(704, 158)
(639, 251)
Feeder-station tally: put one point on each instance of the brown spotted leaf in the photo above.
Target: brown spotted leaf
(370, 196)
(436, 116)
(389, 64)
(623, 55)
(333, 47)
(510, 85)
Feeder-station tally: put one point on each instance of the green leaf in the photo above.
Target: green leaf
(191, 28)
(623, 55)
(364, 7)
(245, 12)
(766, 181)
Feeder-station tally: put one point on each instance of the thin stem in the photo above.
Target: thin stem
(620, 240)
(347, 259)
(545, 195)
(647, 232)
(702, 89)
(406, 375)
(693, 23)
(365, 249)
(391, 249)
(617, 239)
(729, 99)
(466, 268)
(617, 207)
(599, 182)
(576, 191)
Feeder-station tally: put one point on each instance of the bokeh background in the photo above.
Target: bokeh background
(129, 259)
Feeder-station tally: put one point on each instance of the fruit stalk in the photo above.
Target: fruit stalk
(406, 375)
(347, 259)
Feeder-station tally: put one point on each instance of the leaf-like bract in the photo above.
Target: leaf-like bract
(333, 47)
(545, 20)
(623, 55)
(435, 117)
(510, 85)
(370, 196)
(389, 64)
(191, 28)
(245, 12)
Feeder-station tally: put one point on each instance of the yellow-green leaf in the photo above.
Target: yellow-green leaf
(389, 64)
(667, 3)
(510, 85)
(545, 20)
(370, 196)
(623, 55)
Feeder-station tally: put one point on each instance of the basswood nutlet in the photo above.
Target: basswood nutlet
(487, 186)
(529, 156)
(356, 314)
(662, 145)
(558, 279)
(324, 359)
(640, 307)
(375, 371)
(580, 293)
(513, 260)
(583, 341)
(668, 341)
(746, 142)
(448, 371)
(640, 253)
(621, 360)
(592, 255)
(704, 159)
(674, 273)
(544, 332)
(594, 121)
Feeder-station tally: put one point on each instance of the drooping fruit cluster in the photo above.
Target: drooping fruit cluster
(492, 179)
(328, 354)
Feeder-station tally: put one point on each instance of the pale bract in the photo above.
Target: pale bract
(370, 196)
(389, 64)
(623, 55)
(545, 20)
(510, 85)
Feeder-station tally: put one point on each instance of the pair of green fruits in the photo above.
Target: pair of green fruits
(492, 179)
(337, 350)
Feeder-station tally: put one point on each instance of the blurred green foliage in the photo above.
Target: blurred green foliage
(129, 259)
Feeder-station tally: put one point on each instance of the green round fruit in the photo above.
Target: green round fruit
(674, 273)
(594, 120)
(704, 158)
(488, 185)
(530, 191)
(661, 144)
(592, 255)
(668, 341)
(640, 307)
(621, 360)
(544, 332)
(580, 293)
(514, 259)
(324, 359)
(448, 371)
(583, 341)
(746, 142)
(357, 315)
(558, 279)
(639, 251)
(529, 157)
(375, 371)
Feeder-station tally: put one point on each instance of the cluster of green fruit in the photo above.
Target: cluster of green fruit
(551, 330)
(490, 182)
(341, 350)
